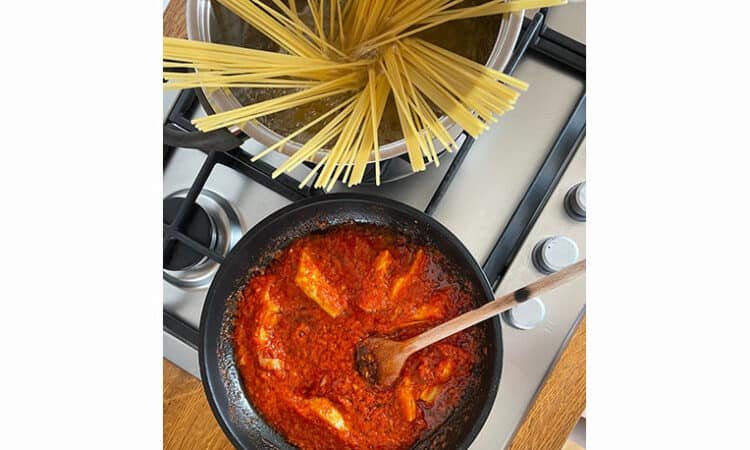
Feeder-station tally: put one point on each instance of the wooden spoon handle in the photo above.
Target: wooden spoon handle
(494, 307)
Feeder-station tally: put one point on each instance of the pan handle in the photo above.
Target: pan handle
(220, 140)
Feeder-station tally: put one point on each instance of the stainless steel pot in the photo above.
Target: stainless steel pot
(201, 21)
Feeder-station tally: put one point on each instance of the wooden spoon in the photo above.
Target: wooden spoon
(380, 360)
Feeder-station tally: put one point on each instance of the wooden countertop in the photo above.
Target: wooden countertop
(188, 420)
(189, 423)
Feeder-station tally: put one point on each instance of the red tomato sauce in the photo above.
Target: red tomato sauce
(299, 322)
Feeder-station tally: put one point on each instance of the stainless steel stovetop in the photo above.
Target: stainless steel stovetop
(477, 207)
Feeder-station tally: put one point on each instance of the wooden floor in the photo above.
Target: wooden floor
(188, 421)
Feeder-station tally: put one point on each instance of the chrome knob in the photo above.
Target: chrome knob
(527, 315)
(575, 202)
(554, 253)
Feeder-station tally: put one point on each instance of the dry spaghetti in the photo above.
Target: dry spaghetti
(363, 52)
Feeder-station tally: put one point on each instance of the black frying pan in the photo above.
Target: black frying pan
(231, 406)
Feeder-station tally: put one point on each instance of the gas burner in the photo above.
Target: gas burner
(199, 226)
(213, 223)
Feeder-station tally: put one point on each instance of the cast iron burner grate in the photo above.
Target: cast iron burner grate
(197, 225)
(556, 49)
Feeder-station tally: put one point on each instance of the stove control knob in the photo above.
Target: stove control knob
(527, 315)
(575, 202)
(554, 253)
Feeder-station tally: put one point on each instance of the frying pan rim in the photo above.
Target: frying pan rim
(494, 323)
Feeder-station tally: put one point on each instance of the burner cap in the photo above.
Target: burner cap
(198, 226)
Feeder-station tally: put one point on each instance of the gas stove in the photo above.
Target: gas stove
(516, 197)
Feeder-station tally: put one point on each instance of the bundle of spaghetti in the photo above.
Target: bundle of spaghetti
(291, 35)
(443, 12)
(403, 16)
(492, 8)
(459, 86)
(361, 52)
(346, 83)
(227, 66)
(365, 19)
